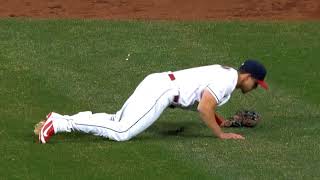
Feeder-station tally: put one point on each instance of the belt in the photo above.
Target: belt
(171, 76)
(175, 98)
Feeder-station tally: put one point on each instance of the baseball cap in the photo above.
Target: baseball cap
(257, 70)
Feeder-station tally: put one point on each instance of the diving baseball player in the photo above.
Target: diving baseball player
(204, 88)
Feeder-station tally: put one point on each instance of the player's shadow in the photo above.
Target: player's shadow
(181, 129)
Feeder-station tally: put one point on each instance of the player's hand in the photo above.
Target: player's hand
(230, 136)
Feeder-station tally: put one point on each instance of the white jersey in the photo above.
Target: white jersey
(219, 80)
(153, 95)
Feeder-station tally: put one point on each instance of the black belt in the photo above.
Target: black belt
(175, 98)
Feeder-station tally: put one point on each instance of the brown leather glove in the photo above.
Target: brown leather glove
(243, 118)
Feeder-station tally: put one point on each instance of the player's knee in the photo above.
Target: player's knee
(123, 137)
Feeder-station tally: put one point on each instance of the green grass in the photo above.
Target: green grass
(69, 66)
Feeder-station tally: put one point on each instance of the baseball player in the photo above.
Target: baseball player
(204, 88)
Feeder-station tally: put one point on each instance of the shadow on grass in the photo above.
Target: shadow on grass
(180, 129)
(160, 130)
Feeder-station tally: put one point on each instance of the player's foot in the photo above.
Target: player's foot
(38, 127)
(46, 130)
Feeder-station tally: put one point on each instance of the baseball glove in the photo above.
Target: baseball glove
(243, 118)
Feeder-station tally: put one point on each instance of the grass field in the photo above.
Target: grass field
(69, 66)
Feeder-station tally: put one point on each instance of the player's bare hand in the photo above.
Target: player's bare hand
(230, 136)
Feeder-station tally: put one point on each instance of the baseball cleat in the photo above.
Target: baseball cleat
(46, 130)
(38, 127)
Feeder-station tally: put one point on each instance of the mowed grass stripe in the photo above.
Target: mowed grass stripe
(70, 66)
(284, 145)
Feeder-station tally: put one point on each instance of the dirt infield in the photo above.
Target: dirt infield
(164, 9)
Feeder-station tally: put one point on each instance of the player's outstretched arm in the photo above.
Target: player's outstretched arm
(206, 108)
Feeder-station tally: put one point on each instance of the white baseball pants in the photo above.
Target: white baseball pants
(153, 95)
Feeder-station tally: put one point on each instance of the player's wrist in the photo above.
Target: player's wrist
(220, 135)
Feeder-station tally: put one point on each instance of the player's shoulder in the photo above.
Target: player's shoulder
(226, 67)
(223, 67)
(226, 72)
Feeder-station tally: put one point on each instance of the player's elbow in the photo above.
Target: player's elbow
(204, 109)
(204, 112)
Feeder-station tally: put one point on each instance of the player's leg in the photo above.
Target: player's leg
(139, 112)
(56, 123)
(144, 106)
(136, 116)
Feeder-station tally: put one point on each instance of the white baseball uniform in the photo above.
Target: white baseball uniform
(152, 96)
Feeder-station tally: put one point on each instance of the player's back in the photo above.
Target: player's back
(203, 75)
(193, 81)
